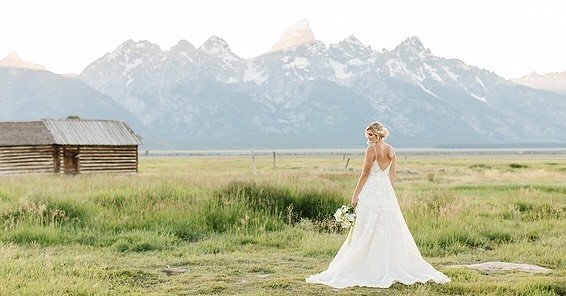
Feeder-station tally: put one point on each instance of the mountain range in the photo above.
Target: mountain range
(300, 94)
(29, 95)
(554, 82)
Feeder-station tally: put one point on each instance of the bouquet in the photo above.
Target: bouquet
(345, 216)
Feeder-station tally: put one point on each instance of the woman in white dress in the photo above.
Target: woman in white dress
(381, 250)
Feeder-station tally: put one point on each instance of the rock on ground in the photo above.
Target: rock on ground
(490, 267)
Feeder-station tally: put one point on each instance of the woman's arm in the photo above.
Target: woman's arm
(368, 160)
(392, 170)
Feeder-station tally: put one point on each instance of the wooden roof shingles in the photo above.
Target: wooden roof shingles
(68, 132)
(14, 133)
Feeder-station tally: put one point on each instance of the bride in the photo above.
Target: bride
(381, 250)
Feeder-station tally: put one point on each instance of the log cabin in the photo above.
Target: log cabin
(69, 146)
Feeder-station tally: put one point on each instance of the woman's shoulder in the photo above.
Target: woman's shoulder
(390, 150)
(371, 150)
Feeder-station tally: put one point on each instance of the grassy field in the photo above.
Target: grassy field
(230, 232)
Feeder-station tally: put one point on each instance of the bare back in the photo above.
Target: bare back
(383, 155)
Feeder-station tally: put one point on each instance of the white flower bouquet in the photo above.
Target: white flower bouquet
(345, 216)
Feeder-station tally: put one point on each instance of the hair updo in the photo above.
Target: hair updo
(378, 129)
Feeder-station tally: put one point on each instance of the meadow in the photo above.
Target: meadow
(210, 226)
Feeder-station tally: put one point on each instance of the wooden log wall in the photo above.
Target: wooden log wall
(26, 159)
(61, 158)
(50, 159)
(108, 159)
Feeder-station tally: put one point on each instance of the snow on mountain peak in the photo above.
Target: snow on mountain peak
(352, 52)
(127, 44)
(353, 41)
(131, 47)
(183, 48)
(215, 41)
(412, 47)
(216, 46)
(137, 46)
(175, 95)
(352, 46)
(298, 34)
(13, 60)
(412, 43)
(184, 44)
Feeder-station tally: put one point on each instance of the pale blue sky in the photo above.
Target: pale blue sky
(511, 38)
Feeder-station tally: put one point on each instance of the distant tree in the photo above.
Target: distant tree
(76, 117)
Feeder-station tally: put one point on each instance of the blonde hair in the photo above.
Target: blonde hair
(378, 129)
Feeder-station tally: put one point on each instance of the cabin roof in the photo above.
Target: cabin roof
(25, 133)
(67, 132)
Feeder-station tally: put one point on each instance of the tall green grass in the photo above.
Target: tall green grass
(280, 218)
(257, 206)
(167, 213)
(157, 213)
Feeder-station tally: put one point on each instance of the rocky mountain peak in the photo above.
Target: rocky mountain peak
(129, 50)
(139, 47)
(183, 48)
(413, 42)
(351, 51)
(183, 45)
(354, 46)
(412, 46)
(13, 56)
(351, 41)
(310, 87)
(554, 82)
(13, 60)
(216, 46)
(298, 34)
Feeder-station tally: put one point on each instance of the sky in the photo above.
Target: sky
(509, 37)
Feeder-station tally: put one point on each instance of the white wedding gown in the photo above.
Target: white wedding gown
(382, 250)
